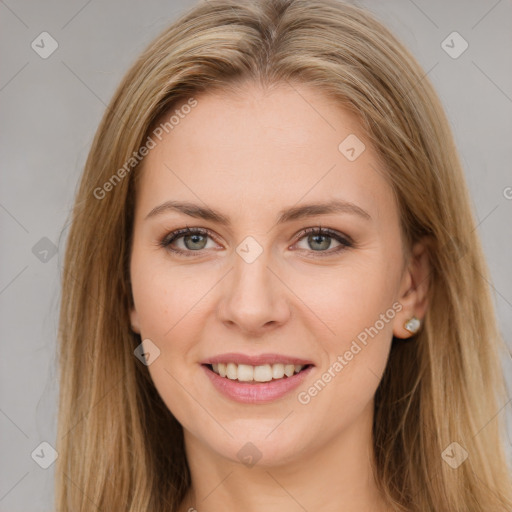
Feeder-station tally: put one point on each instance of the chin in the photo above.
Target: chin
(250, 447)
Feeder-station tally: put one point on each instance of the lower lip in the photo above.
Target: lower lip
(258, 393)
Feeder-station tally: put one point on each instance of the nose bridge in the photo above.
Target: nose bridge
(253, 296)
(251, 270)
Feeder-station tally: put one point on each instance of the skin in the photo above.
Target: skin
(249, 155)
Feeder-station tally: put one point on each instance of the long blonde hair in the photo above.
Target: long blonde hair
(119, 446)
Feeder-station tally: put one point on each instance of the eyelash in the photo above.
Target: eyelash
(344, 240)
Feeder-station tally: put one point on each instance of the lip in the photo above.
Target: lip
(260, 359)
(256, 393)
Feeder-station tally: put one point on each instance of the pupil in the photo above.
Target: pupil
(325, 238)
(194, 239)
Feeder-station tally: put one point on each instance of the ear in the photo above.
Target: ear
(413, 295)
(134, 318)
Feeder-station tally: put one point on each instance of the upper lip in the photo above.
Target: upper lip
(256, 360)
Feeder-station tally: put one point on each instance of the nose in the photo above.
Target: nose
(254, 298)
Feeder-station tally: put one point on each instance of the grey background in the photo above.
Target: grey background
(50, 110)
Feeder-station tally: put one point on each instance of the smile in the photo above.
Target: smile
(260, 373)
(263, 383)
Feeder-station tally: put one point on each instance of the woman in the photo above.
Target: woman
(274, 297)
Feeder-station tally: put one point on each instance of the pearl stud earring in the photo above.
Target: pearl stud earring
(413, 325)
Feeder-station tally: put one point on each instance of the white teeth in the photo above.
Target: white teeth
(260, 373)
(289, 369)
(263, 373)
(245, 372)
(231, 371)
(277, 371)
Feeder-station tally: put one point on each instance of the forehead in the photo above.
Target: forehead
(285, 122)
(258, 148)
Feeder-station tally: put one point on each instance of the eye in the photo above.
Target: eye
(187, 241)
(319, 239)
(191, 240)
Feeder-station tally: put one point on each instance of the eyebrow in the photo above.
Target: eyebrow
(288, 215)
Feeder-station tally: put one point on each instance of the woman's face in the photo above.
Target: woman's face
(255, 287)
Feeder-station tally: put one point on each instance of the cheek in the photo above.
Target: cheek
(349, 299)
(169, 307)
(359, 310)
(166, 298)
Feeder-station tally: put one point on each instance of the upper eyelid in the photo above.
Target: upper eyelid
(325, 231)
(180, 232)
